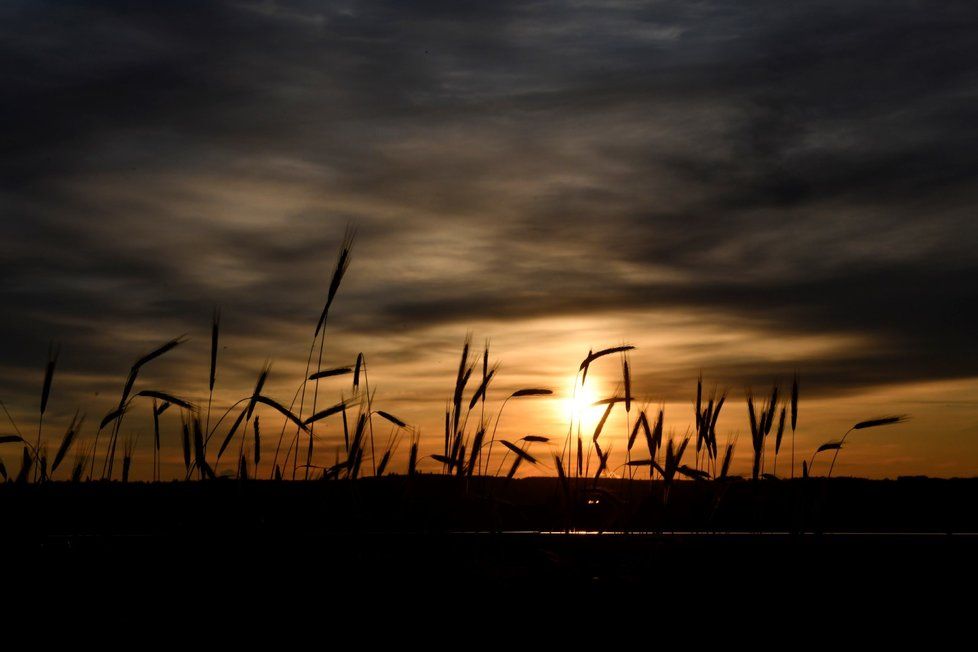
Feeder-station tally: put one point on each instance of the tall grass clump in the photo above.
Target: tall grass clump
(311, 424)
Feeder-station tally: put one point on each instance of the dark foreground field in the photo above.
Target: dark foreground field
(441, 504)
(438, 531)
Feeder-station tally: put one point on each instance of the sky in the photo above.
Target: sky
(742, 190)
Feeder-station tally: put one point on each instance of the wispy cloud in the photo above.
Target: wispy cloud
(797, 173)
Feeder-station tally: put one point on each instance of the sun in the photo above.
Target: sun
(579, 408)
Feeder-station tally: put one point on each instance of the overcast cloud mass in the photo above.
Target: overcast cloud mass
(744, 188)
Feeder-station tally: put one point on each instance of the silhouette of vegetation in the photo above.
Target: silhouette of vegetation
(479, 461)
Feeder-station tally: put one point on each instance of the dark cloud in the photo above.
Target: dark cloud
(805, 170)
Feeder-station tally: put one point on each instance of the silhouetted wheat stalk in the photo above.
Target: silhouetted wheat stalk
(862, 425)
(342, 263)
(45, 395)
(761, 423)
(212, 377)
(794, 419)
(583, 369)
(520, 393)
(115, 416)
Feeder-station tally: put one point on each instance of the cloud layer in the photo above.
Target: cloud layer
(801, 175)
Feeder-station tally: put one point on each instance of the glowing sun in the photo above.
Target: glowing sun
(579, 408)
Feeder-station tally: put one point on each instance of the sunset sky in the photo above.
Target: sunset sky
(739, 189)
